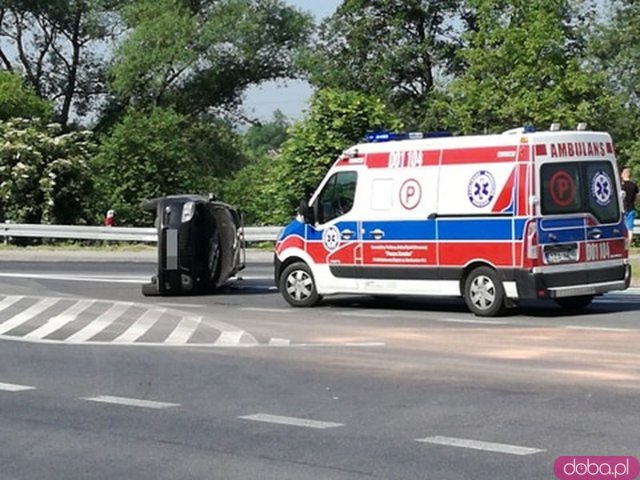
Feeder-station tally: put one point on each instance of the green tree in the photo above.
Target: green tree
(198, 56)
(527, 65)
(60, 47)
(336, 120)
(249, 186)
(18, 100)
(616, 51)
(44, 174)
(393, 49)
(160, 152)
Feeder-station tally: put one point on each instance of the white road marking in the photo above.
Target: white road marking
(364, 314)
(8, 301)
(267, 310)
(476, 445)
(291, 421)
(229, 338)
(77, 278)
(181, 305)
(10, 387)
(100, 323)
(183, 331)
(279, 342)
(131, 402)
(141, 326)
(598, 329)
(472, 321)
(27, 314)
(55, 323)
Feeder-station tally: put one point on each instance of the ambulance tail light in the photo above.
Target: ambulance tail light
(531, 244)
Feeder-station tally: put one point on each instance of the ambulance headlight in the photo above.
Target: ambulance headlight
(188, 209)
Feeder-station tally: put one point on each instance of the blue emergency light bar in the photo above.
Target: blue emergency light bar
(377, 137)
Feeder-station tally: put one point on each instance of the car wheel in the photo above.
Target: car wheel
(483, 292)
(574, 303)
(298, 286)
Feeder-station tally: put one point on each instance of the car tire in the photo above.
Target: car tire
(297, 285)
(574, 303)
(483, 292)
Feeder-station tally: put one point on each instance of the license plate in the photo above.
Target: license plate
(561, 254)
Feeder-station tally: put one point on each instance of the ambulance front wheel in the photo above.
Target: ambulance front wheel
(483, 292)
(298, 286)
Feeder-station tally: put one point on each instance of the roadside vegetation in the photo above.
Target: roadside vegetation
(104, 103)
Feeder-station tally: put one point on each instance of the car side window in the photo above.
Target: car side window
(337, 196)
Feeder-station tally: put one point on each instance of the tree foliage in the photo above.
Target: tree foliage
(18, 100)
(59, 47)
(336, 120)
(44, 175)
(527, 65)
(186, 55)
(252, 187)
(616, 52)
(160, 152)
(393, 49)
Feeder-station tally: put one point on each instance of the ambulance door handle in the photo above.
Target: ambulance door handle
(377, 234)
(617, 231)
(596, 233)
(553, 237)
(347, 234)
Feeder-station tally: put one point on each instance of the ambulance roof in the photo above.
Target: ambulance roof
(447, 142)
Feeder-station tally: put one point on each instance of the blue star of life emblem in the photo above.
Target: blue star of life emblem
(481, 189)
(601, 188)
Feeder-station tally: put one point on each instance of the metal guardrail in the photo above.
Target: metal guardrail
(130, 234)
(125, 234)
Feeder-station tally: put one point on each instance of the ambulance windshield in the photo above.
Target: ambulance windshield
(580, 187)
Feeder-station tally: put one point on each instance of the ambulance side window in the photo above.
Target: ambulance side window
(337, 196)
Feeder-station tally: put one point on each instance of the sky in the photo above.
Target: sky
(289, 97)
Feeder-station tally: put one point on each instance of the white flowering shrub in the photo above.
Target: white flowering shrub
(45, 174)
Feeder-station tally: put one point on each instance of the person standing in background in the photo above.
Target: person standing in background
(631, 195)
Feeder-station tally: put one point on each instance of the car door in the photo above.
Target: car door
(334, 239)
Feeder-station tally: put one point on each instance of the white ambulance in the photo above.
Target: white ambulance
(493, 218)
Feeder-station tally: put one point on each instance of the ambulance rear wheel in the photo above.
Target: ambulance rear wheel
(298, 286)
(483, 292)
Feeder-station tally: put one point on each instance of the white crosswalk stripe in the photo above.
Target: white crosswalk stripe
(147, 320)
(59, 321)
(27, 314)
(102, 322)
(184, 330)
(8, 301)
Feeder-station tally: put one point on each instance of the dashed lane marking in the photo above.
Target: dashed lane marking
(598, 329)
(471, 321)
(267, 310)
(478, 445)
(290, 421)
(10, 387)
(131, 402)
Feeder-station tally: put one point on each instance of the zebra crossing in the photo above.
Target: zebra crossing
(99, 322)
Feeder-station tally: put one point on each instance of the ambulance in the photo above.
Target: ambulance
(494, 219)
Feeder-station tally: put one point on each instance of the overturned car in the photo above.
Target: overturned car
(200, 244)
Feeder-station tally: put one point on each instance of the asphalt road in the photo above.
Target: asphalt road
(97, 381)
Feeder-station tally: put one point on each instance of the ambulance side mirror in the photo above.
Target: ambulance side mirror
(306, 212)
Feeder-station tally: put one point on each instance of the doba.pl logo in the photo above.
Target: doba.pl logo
(596, 468)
